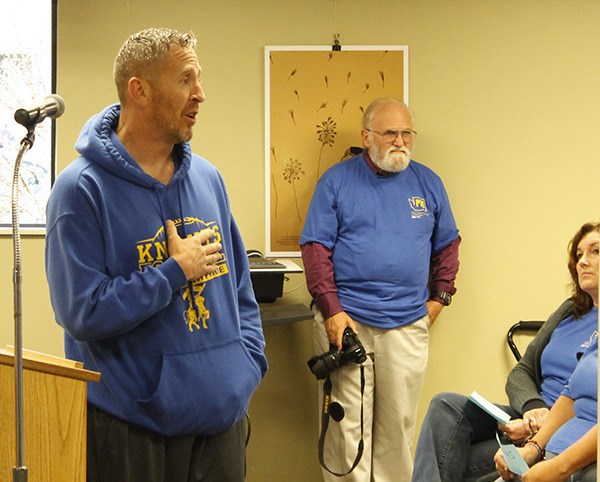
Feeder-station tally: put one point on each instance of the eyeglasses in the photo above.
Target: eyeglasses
(408, 135)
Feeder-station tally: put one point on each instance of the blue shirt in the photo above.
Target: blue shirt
(583, 389)
(559, 357)
(382, 231)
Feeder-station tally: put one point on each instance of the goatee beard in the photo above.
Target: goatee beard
(393, 160)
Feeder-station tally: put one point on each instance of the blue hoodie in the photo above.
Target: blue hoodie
(175, 357)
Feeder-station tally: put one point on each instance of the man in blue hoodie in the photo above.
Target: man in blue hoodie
(149, 278)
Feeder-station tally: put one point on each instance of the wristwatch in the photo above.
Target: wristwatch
(443, 295)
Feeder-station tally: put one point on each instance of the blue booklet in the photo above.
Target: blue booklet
(515, 462)
(499, 414)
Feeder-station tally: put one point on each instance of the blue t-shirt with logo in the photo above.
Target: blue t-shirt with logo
(382, 231)
(583, 389)
(559, 357)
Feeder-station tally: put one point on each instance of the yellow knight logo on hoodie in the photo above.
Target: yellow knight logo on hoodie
(154, 252)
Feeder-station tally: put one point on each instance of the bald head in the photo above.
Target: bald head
(379, 103)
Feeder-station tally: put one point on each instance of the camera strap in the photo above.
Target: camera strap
(325, 423)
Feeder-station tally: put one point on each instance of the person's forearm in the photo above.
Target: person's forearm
(444, 267)
(579, 455)
(560, 412)
(320, 281)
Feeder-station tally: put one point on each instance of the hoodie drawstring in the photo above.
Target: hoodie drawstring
(190, 284)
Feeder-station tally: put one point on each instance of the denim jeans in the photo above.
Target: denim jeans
(457, 441)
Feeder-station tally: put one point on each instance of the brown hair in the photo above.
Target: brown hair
(582, 301)
(143, 50)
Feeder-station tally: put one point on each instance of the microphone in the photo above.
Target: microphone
(53, 106)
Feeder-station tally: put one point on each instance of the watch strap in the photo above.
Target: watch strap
(444, 297)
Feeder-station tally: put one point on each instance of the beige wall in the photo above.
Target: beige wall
(506, 98)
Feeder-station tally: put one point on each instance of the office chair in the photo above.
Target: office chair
(351, 152)
(521, 326)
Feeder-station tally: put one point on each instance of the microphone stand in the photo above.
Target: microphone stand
(20, 470)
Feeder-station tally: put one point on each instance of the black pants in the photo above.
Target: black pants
(121, 452)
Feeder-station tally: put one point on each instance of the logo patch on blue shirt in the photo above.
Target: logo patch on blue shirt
(418, 206)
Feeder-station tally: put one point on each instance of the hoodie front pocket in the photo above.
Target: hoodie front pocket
(203, 392)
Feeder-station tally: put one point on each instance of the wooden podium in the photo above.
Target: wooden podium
(54, 417)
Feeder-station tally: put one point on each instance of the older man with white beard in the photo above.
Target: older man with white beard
(380, 252)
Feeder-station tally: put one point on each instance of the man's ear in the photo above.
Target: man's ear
(139, 90)
(364, 134)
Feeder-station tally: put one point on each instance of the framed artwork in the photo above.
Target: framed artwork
(27, 77)
(315, 98)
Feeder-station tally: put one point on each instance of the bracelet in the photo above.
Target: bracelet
(541, 451)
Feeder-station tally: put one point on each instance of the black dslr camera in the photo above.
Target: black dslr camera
(352, 352)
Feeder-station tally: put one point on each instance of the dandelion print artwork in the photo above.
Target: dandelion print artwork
(326, 135)
(293, 172)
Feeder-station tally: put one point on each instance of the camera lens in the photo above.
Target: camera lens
(323, 365)
(352, 352)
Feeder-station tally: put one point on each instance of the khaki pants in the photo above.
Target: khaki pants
(393, 379)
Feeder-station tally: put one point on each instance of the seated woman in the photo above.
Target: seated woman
(565, 447)
(458, 440)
